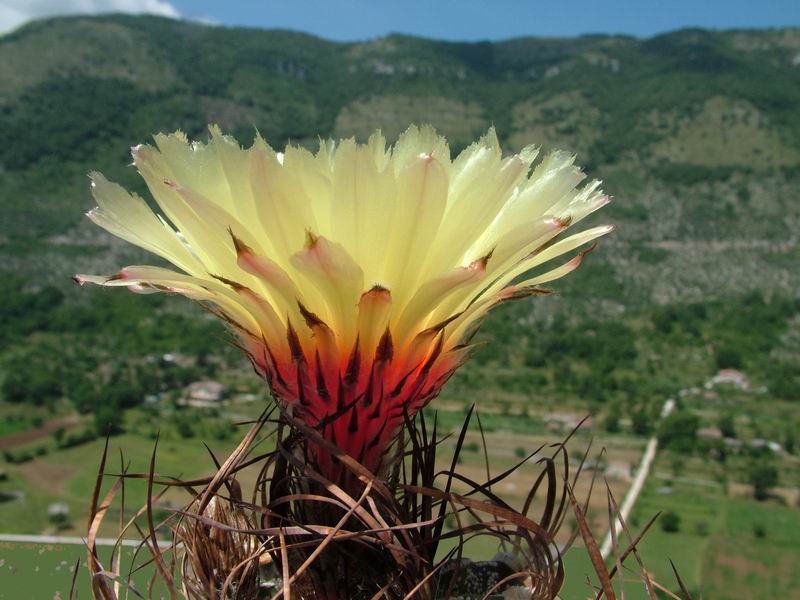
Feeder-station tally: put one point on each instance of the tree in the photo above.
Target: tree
(58, 436)
(30, 378)
(790, 440)
(727, 357)
(664, 319)
(671, 522)
(641, 422)
(678, 431)
(763, 477)
(183, 425)
(727, 426)
(759, 530)
(784, 381)
(611, 422)
(677, 464)
(108, 419)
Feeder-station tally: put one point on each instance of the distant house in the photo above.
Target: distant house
(176, 358)
(204, 393)
(153, 398)
(566, 422)
(730, 377)
(247, 397)
(58, 511)
(709, 433)
(618, 470)
(733, 443)
(692, 391)
(760, 443)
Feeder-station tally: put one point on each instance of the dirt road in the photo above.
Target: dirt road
(26, 437)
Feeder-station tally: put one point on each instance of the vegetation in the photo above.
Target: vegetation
(695, 133)
(763, 477)
(671, 522)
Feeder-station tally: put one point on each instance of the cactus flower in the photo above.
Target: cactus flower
(353, 277)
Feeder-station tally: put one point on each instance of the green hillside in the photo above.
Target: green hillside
(696, 133)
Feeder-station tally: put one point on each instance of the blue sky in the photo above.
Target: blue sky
(494, 19)
(447, 19)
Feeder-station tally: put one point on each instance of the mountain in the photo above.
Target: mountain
(696, 133)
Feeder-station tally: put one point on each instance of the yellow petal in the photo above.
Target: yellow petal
(128, 217)
(285, 213)
(422, 192)
(338, 279)
(431, 294)
(373, 318)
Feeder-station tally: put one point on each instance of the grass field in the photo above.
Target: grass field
(69, 475)
(740, 564)
(727, 547)
(38, 571)
(729, 562)
(42, 571)
(46, 570)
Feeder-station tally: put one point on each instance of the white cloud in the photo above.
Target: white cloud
(208, 21)
(14, 13)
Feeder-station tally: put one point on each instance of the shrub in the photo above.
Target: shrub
(671, 522)
(784, 381)
(678, 431)
(183, 425)
(686, 174)
(611, 422)
(759, 530)
(641, 422)
(222, 430)
(763, 477)
(18, 457)
(727, 357)
(58, 436)
(76, 439)
(59, 519)
(727, 425)
(107, 419)
(701, 528)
